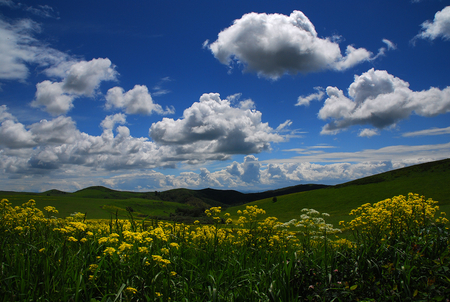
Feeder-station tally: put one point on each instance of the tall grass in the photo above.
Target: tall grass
(402, 255)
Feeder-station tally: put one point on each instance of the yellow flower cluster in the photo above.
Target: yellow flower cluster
(395, 215)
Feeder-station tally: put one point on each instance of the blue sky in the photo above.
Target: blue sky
(244, 95)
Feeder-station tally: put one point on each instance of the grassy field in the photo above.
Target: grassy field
(399, 251)
(97, 208)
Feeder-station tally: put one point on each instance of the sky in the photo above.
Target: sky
(243, 95)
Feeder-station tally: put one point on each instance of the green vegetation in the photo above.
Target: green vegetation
(399, 251)
(429, 179)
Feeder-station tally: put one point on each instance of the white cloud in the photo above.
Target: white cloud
(81, 79)
(440, 27)
(52, 97)
(427, 132)
(275, 44)
(389, 44)
(381, 100)
(305, 100)
(400, 153)
(19, 48)
(210, 130)
(212, 125)
(135, 101)
(84, 77)
(366, 132)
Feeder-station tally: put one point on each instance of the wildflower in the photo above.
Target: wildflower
(174, 245)
(72, 239)
(42, 250)
(143, 250)
(109, 250)
(125, 246)
(158, 294)
(93, 267)
(131, 290)
(50, 209)
(173, 274)
(83, 240)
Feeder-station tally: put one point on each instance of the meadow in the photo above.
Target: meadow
(359, 241)
(398, 251)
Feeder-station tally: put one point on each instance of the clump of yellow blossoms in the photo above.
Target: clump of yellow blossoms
(396, 216)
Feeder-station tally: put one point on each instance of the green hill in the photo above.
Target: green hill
(429, 179)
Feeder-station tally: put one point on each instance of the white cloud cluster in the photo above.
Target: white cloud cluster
(213, 126)
(275, 44)
(82, 79)
(135, 101)
(210, 130)
(440, 27)
(379, 99)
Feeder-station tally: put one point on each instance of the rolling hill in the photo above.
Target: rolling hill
(431, 179)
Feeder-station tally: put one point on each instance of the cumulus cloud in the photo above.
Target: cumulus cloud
(379, 99)
(440, 27)
(210, 130)
(135, 101)
(212, 125)
(274, 44)
(81, 79)
(15, 135)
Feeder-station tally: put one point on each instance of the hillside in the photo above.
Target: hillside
(429, 179)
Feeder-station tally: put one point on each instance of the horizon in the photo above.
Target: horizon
(250, 97)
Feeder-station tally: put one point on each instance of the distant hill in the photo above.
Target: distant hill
(199, 198)
(431, 179)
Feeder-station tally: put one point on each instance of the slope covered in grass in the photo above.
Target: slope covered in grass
(430, 179)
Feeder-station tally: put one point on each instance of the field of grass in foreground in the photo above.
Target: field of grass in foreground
(399, 252)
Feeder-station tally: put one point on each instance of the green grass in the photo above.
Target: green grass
(339, 200)
(97, 208)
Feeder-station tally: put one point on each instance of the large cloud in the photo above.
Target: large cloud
(135, 101)
(275, 44)
(379, 99)
(210, 130)
(440, 27)
(212, 125)
(81, 79)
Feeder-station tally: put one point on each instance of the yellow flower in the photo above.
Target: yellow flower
(131, 290)
(93, 267)
(109, 250)
(158, 294)
(73, 239)
(83, 240)
(42, 250)
(173, 274)
(174, 245)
